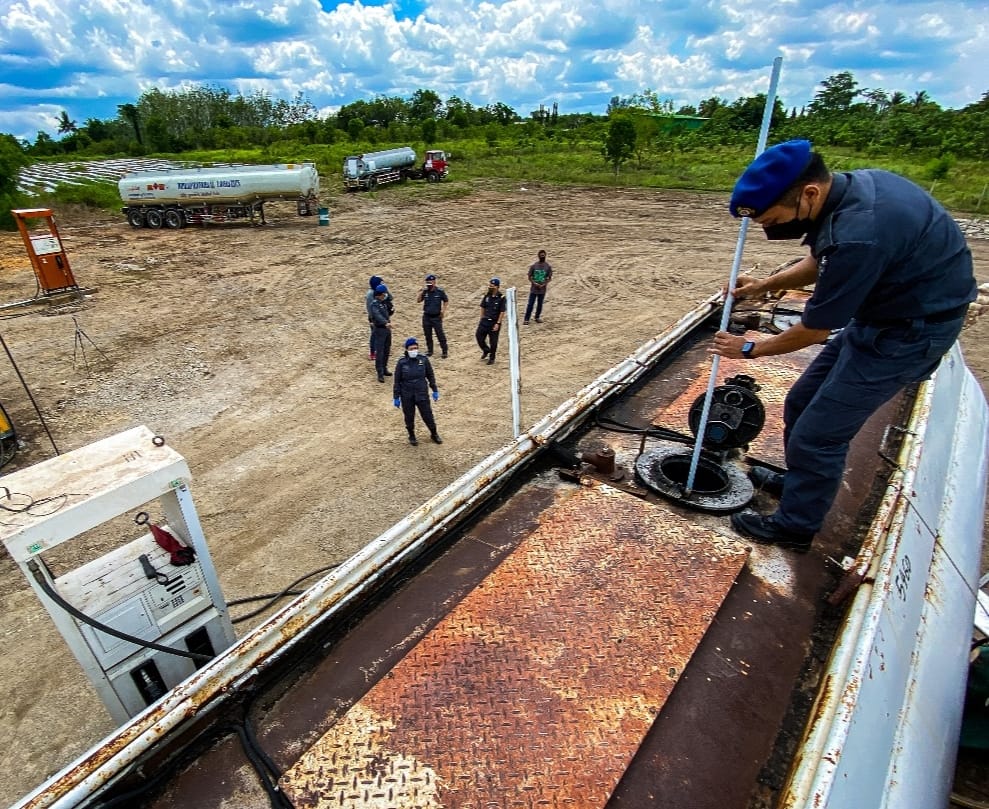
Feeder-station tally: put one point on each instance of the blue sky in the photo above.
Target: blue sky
(88, 56)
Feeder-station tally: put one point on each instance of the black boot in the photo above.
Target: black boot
(412, 440)
(436, 438)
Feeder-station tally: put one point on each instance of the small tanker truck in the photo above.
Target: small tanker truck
(367, 171)
(180, 197)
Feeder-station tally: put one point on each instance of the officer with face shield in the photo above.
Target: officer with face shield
(412, 382)
(890, 269)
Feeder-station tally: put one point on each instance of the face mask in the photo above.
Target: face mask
(796, 228)
(413, 352)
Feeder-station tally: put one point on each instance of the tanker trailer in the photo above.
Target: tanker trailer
(369, 170)
(175, 198)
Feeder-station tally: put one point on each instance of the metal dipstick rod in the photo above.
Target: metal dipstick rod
(767, 117)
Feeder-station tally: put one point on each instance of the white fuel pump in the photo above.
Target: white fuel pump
(136, 621)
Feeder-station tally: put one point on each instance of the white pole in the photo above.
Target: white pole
(514, 363)
(767, 117)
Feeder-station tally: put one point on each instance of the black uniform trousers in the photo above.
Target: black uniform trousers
(487, 338)
(382, 348)
(432, 323)
(409, 404)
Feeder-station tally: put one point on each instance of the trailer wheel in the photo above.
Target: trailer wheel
(135, 216)
(433, 177)
(154, 218)
(174, 219)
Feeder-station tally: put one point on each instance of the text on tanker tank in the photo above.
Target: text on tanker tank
(201, 184)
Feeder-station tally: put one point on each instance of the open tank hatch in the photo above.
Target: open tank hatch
(718, 488)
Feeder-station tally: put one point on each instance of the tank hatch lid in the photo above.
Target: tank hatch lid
(544, 680)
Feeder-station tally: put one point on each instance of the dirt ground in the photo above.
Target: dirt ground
(246, 348)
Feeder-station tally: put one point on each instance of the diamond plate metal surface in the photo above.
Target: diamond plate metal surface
(536, 690)
(774, 375)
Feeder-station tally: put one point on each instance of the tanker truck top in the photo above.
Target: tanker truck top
(295, 180)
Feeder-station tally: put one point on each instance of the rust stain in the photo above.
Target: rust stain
(774, 375)
(540, 685)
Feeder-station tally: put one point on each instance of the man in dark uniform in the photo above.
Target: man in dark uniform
(540, 274)
(492, 314)
(381, 312)
(374, 282)
(891, 270)
(434, 302)
(411, 383)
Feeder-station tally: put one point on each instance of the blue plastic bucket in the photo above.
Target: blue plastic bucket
(324, 216)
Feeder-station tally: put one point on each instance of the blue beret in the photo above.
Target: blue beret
(496, 282)
(380, 289)
(768, 177)
(411, 342)
(430, 277)
(374, 281)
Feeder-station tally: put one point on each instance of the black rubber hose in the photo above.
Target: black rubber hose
(109, 630)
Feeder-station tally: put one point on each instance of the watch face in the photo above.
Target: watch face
(747, 348)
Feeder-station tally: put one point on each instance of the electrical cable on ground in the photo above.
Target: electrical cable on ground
(29, 394)
(273, 597)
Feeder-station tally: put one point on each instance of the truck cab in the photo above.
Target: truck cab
(435, 166)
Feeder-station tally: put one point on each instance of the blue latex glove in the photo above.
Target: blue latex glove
(436, 395)
(398, 403)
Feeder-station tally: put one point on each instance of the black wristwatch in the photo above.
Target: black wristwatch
(747, 349)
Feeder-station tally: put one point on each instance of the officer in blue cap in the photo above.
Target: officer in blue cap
(411, 384)
(380, 312)
(492, 314)
(891, 272)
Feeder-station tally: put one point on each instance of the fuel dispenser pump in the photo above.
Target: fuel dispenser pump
(143, 617)
(44, 247)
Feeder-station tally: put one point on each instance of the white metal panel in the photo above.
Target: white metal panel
(97, 482)
(902, 652)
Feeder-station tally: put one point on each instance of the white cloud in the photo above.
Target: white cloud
(87, 56)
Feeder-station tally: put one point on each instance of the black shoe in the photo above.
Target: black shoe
(484, 352)
(767, 480)
(444, 355)
(491, 361)
(764, 530)
(381, 378)
(525, 322)
(387, 373)
(412, 441)
(538, 320)
(436, 438)
(429, 353)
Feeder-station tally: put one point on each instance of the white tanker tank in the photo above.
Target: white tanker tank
(371, 169)
(175, 198)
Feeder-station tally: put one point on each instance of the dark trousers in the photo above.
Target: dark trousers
(382, 348)
(537, 299)
(486, 338)
(370, 343)
(856, 373)
(432, 323)
(409, 405)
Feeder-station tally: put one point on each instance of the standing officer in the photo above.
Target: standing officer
(492, 314)
(540, 274)
(891, 270)
(434, 302)
(413, 379)
(373, 282)
(381, 312)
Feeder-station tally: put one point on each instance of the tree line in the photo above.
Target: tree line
(842, 115)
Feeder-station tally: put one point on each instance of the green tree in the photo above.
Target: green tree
(12, 160)
(65, 124)
(429, 130)
(619, 145)
(836, 96)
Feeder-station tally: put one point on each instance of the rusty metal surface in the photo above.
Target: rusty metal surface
(537, 689)
(774, 375)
